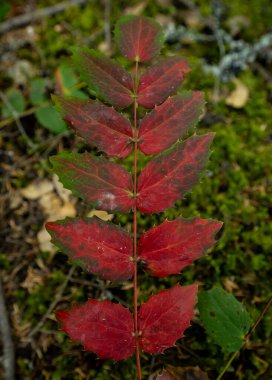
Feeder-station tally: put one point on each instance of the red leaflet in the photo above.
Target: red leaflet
(139, 38)
(96, 180)
(172, 246)
(165, 316)
(168, 177)
(168, 122)
(100, 125)
(104, 248)
(162, 80)
(102, 327)
(106, 78)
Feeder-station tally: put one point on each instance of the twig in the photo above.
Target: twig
(53, 304)
(253, 327)
(107, 25)
(8, 347)
(38, 14)
(16, 119)
(30, 111)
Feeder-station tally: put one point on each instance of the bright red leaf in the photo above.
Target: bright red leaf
(168, 177)
(109, 80)
(172, 246)
(161, 80)
(168, 122)
(102, 327)
(100, 125)
(96, 180)
(139, 38)
(165, 316)
(104, 248)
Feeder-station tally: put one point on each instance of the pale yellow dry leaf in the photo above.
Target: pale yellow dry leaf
(230, 285)
(44, 241)
(63, 193)
(239, 96)
(66, 210)
(55, 209)
(136, 9)
(103, 215)
(37, 189)
(50, 203)
(15, 200)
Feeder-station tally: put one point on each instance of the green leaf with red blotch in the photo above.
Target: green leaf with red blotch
(168, 177)
(102, 327)
(138, 38)
(109, 80)
(98, 181)
(100, 125)
(173, 245)
(165, 316)
(104, 248)
(168, 122)
(161, 81)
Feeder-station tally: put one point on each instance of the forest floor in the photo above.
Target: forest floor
(229, 48)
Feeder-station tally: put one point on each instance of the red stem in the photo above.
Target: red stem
(135, 255)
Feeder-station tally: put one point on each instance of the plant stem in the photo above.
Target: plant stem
(135, 255)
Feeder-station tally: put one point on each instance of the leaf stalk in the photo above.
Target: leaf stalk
(135, 254)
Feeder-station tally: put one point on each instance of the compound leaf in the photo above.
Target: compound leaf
(109, 80)
(165, 316)
(102, 327)
(100, 125)
(168, 177)
(224, 318)
(172, 246)
(104, 248)
(161, 80)
(138, 38)
(96, 180)
(168, 122)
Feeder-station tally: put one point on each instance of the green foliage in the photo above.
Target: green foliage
(50, 118)
(224, 318)
(4, 10)
(16, 102)
(37, 91)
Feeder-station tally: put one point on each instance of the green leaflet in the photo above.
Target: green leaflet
(224, 318)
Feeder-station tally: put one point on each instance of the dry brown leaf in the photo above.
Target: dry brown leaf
(21, 329)
(164, 20)
(37, 189)
(193, 18)
(34, 277)
(239, 96)
(188, 373)
(103, 215)
(166, 375)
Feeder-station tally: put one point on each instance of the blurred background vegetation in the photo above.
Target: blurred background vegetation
(229, 47)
